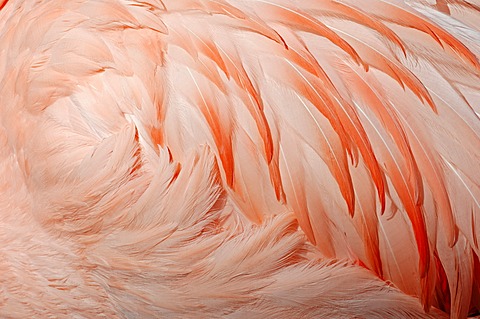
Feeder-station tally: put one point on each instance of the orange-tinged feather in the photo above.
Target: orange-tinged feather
(391, 67)
(221, 136)
(305, 22)
(400, 13)
(3, 3)
(203, 158)
(252, 101)
(352, 13)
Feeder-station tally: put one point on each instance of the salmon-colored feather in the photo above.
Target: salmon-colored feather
(239, 159)
(399, 12)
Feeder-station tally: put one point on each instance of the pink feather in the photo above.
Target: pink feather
(239, 159)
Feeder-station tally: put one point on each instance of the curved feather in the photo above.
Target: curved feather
(219, 157)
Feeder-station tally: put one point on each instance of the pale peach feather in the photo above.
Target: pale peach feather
(239, 158)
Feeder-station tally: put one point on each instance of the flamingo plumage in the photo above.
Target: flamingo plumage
(239, 158)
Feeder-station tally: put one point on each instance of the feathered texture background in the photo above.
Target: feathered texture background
(239, 158)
